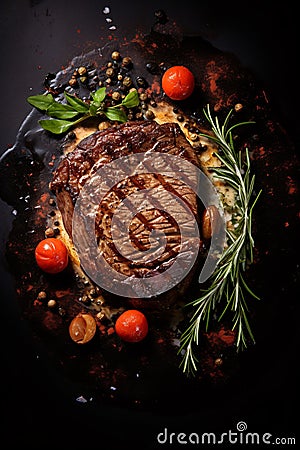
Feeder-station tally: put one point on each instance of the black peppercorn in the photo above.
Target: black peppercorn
(141, 82)
(152, 68)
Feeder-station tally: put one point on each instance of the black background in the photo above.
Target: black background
(38, 37)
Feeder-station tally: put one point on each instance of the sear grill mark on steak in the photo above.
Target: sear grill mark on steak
(102, 147)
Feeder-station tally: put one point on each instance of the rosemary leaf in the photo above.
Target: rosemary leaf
(227, 287)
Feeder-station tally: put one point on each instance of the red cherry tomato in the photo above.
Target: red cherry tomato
(51, 255)
(178, 82)
(132, 326)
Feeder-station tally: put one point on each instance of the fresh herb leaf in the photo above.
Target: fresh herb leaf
(99, 96)
(61, 111)
(117, 114)
(57, 126)
(227, 284)
(41, 102)
(66, 115)
(78, 104)
(131, 100)
(94, 109)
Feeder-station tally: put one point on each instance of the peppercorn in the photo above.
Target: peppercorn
(115, 55)
(73, 82)
(110, 72)
(127, 81)
(149, 115)
(49, 232)
(42, 295)
(238, 107)
(126, 61)
(51, 303)
(141, 82)
(116, 96)
(152, 68)
(82, 70)
(218, 361)
(71, 136)
(143, 96)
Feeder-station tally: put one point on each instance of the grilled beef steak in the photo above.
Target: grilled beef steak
(101, 148)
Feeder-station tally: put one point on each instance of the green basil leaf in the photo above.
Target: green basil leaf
(61, 111)
(56, 126)
(131, 100)
(115, 114)
(99, 95)
(41, 102)
(78, 104)
(93, 108)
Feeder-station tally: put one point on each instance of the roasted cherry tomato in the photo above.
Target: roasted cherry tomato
(51, 255)
(178, 82)
(132, 326)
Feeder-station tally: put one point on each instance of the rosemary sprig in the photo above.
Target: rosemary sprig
(227, 284)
